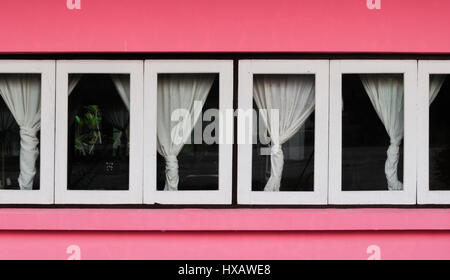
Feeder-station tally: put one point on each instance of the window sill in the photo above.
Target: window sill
(224, 219)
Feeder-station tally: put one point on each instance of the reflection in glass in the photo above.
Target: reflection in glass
(99, 132)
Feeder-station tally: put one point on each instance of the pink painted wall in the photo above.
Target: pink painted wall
(37, 26)
(225, 26)
(224, 245)
(225, 234)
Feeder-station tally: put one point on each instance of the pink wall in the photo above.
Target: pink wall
(224, 245)
(225, 26)
(37, 26)
(225, 234)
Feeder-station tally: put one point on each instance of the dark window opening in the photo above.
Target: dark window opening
(440, 140)
(364, 141)
(298, 152)
(98, 143)
(10, 142)
(198, 164)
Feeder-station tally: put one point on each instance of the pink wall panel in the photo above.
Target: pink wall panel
(224, 26)
(221, 245)
(46, 26)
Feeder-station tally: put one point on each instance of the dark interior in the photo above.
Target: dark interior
(100, 166)
(10, 149)
(364, 141)
(440, 140)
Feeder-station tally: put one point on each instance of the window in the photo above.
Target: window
(99, 132)
(309, 132)
(283, 132)
(188, 132)
(433, 133)
(27, 91)
(372, 132)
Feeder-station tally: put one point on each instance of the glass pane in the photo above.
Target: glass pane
(439, 133)
(99, 130)
(20, 122)
(188, 150)
(284, 106)
(372, 132)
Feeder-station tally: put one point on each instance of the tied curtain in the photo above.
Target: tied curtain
(175, 92)
(386, 93)
(285, 103)
(22, 96)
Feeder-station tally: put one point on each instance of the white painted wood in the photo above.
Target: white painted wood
(427, 68)
(337, 69)
(135, 70)
(225, 71)
(46, 68)
(247, 68)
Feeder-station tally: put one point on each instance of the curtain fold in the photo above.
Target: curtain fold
(122, 84)
(285, 103)
(187, 92)
(74, 79)
(118, 117)
(436, 83)
(22, 95)
(386, 93)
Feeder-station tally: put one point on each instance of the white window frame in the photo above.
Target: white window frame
(46, 68)
(248, 68)
(408, 195)
(135, 69)
(224, 68)
(425, 195)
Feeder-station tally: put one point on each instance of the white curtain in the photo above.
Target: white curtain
(386, 92)
(122, 84)
(22, 95)
(436, 83)
(285, 103)
(74, 79)
(119, 118)
(178, 91)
